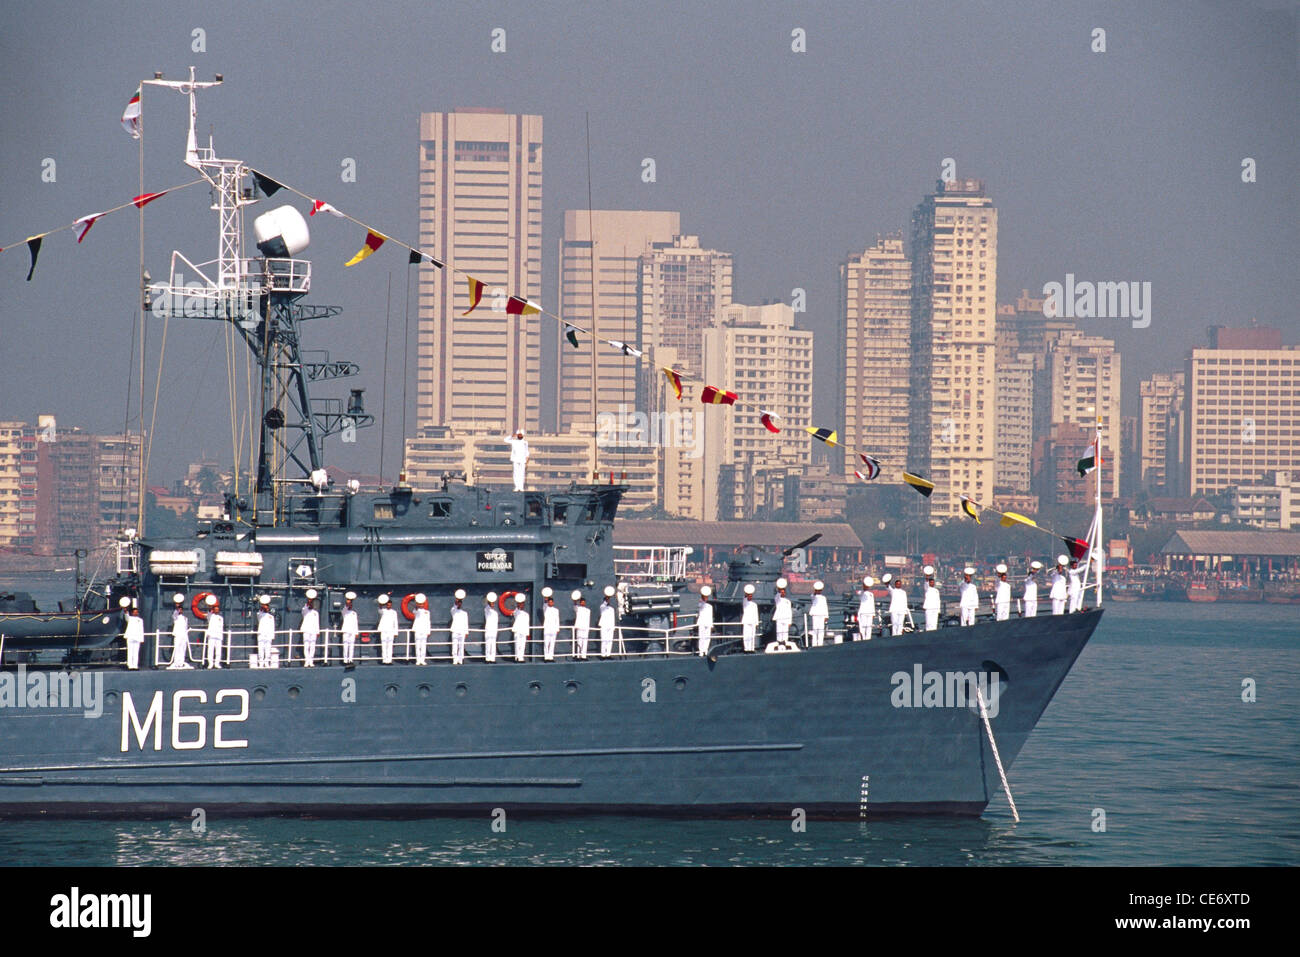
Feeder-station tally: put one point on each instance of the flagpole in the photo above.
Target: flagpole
(1100, 543)
(143, 479)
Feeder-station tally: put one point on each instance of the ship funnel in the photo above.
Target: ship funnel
(281, 233)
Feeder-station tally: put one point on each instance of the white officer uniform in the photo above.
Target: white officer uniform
(818, 612)
(1059, 588)
(519, 626)
(459, 628)
(897, 608)
(133, 633)
(782, 613)
(310, 630)
(265, 633)
(422, 628)
(605, 620)
(215, 633)
(969, 598)
(351, 628)
(180, 636)
(1002, 596)
(518, 458)
(550, 625)
(1075, 587)
(866, 610)
(932, 603)
(1031, 591)
(581, 625)
(388, 627)
(749, 620)
(704, 621)
(490, 623)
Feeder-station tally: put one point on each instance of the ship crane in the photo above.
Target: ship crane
(260, 297)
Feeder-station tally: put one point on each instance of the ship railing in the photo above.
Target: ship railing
(659, 563)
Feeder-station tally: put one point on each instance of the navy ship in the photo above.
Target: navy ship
(924, 723)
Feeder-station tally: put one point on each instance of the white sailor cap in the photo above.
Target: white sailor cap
(547, 592)
(576, 595)
(609, 591)
(519, 597)
(350, 596)
(705, 591)
(1001, 569)
(1035, 566)
(782, 583)
(264, 600)
(1061, 560)
(490, 597)
(868, 581)
(886, 579)
(210, 601)
(749, 589)
(382, 599)
(124, 601)
(178, 598)
(459, 596)
(968, 570)
(818, 586)
(928, 570)
(312, 593)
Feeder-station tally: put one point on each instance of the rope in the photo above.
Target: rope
(988, 728)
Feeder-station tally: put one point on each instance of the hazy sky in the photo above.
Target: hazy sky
(1117, 166)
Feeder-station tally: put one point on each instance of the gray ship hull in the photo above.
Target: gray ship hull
(831, 730)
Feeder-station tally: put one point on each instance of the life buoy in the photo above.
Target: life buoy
(501, 603)
(407, 602)
(197, 606)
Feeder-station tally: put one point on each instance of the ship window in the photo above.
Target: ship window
(438, 509)
(575, 570)
(533, 509)
(383, 510)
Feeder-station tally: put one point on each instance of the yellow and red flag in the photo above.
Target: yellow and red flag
(521, 307)
(373, 241)
(675, 380)
(475, 294)
(711, 396)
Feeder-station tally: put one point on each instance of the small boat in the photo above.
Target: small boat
(25, 627)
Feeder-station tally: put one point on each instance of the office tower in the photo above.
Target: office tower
(1085, 386)
(1157, 394)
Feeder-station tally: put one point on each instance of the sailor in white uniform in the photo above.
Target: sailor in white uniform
(215, 632)
(310, 628)
(818, 612)
(1075, 586)
(749, 620)
(491, 621)
(519, 627)
(968, 597)
(388, 627)
(351, 627)
(180, 633)
(704, 621)
(133, 633)
(550, 624)
(581, 625)
(782, 612)
(265, 631)
(605, 620)
(866, 610)
(1002, 595)
(897, 607)
(518, 457)
(421, 628)
(932, 603)
(1031, 590)
(1059, 588)
(459, 627)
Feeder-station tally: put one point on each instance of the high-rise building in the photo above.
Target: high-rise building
(11, 463)
(480, 208)
(757, 352)
(954, 253)
(1157, 394)
(682, 288)
(1241, 415)
(1014, 442)
(621, 238)
(1085, 387)
(1024, 330)
(876, 330)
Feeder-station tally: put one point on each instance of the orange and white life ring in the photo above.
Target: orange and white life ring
(407, 611)
(501, 602)
(197, 605)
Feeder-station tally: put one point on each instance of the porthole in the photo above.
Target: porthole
(535, 687)
(425, 691)
(259, 693)
(462, 689)
(679, 683)
(110, 699)
(294, 691)
(391, 691)
(571, 686)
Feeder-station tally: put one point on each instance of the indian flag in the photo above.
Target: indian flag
(1090, 460)
(131, 115)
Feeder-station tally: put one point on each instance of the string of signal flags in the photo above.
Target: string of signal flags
(867, 467)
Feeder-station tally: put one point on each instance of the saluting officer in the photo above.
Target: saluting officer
(704, 620)
(749, 620)
(459, 628)
(818, 612)
(968, 597)
(1059, 591)
(550, 624)
(1002, 595)
(387, 627)
(605, 621)
(897, 607)
(265, 631)
(520, 626)
(1075, 589)
(490, 624)
(421, 628)
(215, 632)
(180, 633)
(351, 628)
(519, 458)
(310, 629)
(932, 603)
(866, 609)
(782, 612)
(134, 631)
(1031, 589)
(581, 625)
